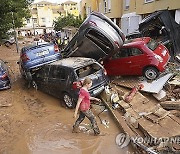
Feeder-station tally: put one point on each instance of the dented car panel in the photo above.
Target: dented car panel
(64, 78)
(98, 37)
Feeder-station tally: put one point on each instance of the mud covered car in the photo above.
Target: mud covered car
(140, 56)
(64, 78)
(4, 76)
(34, 56)
(98, 37)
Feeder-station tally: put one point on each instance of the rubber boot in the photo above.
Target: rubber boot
(75, 129)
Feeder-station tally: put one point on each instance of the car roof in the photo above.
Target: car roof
(74, 62)
(36, 45)
(136, 41)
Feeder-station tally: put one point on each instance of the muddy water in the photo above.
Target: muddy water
(32, 122)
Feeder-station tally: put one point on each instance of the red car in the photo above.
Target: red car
(140, 56)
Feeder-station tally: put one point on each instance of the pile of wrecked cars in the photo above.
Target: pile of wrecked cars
(99, 40)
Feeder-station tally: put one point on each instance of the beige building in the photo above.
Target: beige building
(128, 13)
(70, 7)
(111, 8)
(44, 13)
(135, 10)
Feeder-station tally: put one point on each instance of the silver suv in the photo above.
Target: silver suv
(98, 37)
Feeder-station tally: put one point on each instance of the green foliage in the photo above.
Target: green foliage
(20, 10)
(69, 20)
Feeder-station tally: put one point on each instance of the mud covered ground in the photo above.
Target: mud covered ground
(32, 122)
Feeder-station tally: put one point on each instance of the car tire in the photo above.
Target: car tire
(150, 73)
(68, 100)
(7, 44)
(28, 76)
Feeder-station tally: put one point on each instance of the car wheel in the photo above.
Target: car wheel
(68, 100)
(7, 44)
(28, 76)
(151, 73)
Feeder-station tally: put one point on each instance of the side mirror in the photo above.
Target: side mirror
(17, 62)
(5, 62)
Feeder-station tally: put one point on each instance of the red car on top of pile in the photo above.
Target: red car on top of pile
(140, 56)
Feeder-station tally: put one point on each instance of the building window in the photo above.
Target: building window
(88, 10)
(105, 6)
(148, 1)
(28, 21)
(127, 3)
(43, 19)
(35, 20)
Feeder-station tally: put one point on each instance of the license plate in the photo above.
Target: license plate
(42, 53)
(98, 90)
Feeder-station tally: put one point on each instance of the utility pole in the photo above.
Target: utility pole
(15, 35)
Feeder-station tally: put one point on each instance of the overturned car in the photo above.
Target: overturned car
(98, 37)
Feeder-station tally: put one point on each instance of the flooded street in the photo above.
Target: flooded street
(32, 122)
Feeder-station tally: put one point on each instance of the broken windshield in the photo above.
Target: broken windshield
(87, 70)
(152, 44)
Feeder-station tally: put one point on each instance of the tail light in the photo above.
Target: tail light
(105, 72)
(117, 44)
(92, 23)
(77, 85)
(24, 57)
(4, 76)
(56, 49)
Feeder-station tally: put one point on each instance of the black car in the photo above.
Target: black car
(64, 78)
(4, 76)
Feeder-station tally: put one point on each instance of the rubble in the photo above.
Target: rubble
(171, 105)
(144, 118)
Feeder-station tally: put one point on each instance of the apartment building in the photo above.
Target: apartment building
(135, 10)
(43, 14)
(111, 8)
(70, 7)
(128, 13)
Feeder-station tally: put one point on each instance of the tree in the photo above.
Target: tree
(12, 9)
(69, 20)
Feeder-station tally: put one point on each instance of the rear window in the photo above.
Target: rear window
(87, 70)
(152, 44)
(100, 40)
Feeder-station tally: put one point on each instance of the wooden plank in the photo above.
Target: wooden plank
(171, 105)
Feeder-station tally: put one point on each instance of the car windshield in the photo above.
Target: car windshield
(152, 44)
(87, 70)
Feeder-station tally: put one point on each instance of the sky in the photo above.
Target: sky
(56, 1)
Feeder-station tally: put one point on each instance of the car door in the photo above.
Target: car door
(136, 61)
(119, 63)
(57, 80)
(41, 78)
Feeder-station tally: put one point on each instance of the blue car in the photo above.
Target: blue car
(4, 76)
(34, 56)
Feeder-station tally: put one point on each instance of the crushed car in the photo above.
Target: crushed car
(34, 56)
(63, 78)
(140, 56)
(97, 38)
(161, 26)
(4, 76)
